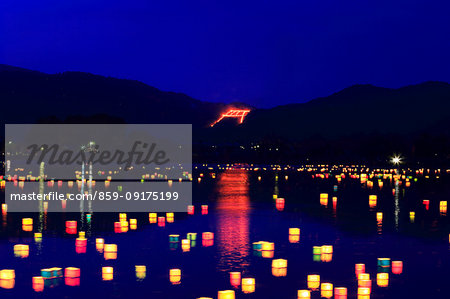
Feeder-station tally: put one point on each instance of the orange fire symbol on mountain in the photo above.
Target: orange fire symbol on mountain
(240, 114)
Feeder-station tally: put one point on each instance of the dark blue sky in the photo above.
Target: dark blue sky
(260, 52)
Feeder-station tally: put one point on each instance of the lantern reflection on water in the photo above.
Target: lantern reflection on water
(248, 285)
(313, 281)
(301, 294)
(372, 201)
(107, 273)
(326, 257)
(175, 276)
(397, 267)
(227, 294)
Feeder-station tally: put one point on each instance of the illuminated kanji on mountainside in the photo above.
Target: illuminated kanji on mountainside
(235, 113)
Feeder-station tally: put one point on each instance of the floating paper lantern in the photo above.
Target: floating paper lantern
(204, 209)
(372, 201)
(207, 236)
(38, 283)
(379, 216)
(133, 221)
(301, 294)
(397, 267)
(170, 217)
(72, 272)
(47, 273)
(340, 293)
(326, 290)
(363, 293)
(4, 207)
(257, 245)
(82, 234)
(185, 244)
(279, 263)
(294, 231)
(326, 257)
(360, 268)
(248, 285)
(268, 246)
(313, 281)
(27, 221)
(192, 236)
(227, 294)
(384, 262)
(7, 274)
(175, 276)
(56, 272)
(412, 216)
(317, 249)
(21, 250)
(161, 221)
(141, 272)
(80, 242)
(152, 217)
(110, 247)
(107, 273)
(382, 279)
(327, 249)
(235, 279)
(190, 210)
(122, 216)
(363, 276)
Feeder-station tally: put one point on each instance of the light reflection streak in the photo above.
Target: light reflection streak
(397, 209)
(233, 209)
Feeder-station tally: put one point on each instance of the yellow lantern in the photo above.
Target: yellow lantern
(382, 279)
(175, 276)
(294, 231)
(327, 249)
(326, 290)
(313, 281)
(301, 294)
(7, 274)
(248, 285)
(107, 273)
(227, 294)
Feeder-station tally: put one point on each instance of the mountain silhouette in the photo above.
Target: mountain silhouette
(361, 121)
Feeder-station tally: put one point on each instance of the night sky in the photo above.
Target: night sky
(263, 53)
